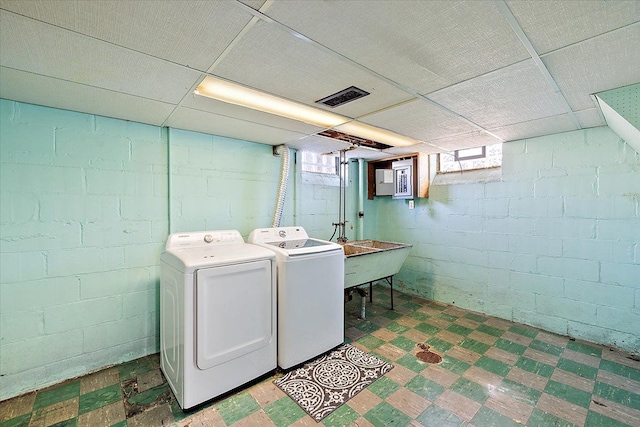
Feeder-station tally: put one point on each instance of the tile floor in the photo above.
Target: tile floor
(493, 373)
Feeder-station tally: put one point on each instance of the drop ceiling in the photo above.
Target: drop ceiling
(451, 74)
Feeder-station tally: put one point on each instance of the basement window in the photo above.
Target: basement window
(319, 169)
(318, 163)
(486, 157)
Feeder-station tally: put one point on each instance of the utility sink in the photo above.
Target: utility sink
(370, 260)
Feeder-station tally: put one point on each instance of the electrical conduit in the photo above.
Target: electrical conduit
(282, 150)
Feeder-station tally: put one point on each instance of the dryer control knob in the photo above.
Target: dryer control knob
(208, 238)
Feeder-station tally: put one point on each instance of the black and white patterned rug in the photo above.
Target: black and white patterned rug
(323, 385)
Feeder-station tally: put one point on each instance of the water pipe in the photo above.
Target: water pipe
(361, 166)
(166, 135)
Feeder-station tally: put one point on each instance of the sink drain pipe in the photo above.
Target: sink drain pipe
(281, 150)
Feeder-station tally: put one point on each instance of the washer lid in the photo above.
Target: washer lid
(303, 247)
(291, 241)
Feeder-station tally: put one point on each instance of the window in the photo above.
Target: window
(318, 163)
(486, 157)
(322, 169)
(470, 154)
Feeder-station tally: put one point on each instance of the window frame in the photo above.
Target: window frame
(304, 163)
(458, 158)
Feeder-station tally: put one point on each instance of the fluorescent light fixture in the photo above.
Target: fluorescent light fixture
(376, 134)
(243, 96)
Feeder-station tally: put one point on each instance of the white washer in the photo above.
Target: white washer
(217, 314)
(310, 292)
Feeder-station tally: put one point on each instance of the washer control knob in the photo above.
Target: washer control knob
(208, 238)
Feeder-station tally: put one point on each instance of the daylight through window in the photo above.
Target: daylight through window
(318, 163)
(486, 157)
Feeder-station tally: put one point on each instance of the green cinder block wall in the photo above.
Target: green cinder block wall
(554, 244)
(85, 212)
(85, 209)
(84, 215)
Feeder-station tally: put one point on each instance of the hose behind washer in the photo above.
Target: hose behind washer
(282, 188)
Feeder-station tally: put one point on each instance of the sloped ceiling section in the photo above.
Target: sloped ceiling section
(621, 110)
(454, 74)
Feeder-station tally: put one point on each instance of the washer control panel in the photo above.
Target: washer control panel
(279, 234)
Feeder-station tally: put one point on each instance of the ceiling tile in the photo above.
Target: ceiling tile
(255, 4)
(191, 33)
(39, 48)
(36, 89)
(538, 127)
(200, 121)
(602, 63)
(418, 148)
(270, 59)
(424, 45)
(554, 24)
(420, 120)
(468, 140)
(589, 118)
(513, 94)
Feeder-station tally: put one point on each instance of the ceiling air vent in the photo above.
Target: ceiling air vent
(346, 95)
(351, 139)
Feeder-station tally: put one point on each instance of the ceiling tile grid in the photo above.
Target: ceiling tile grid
(589, 118)
(602, 63)
(191, 33)
(42, 90)
(140, 60)
(205, 122)
(537, 127)
(426, 45)
(210, 105)
(460, 142)
(418, 148)
(39, 48)
(420, 120)
(555, 24)
(255, 4)
(514, 94)
(271, 60)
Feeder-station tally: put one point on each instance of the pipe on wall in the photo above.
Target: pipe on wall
(166, 134)
(361, 166)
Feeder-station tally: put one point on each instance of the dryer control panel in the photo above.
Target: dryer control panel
(203, 238)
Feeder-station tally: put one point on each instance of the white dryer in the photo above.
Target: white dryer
(310, 292)
(217, 314)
